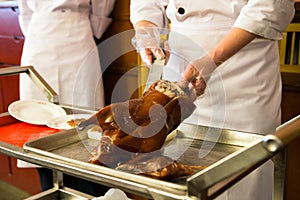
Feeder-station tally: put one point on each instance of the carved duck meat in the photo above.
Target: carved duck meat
(158, 166)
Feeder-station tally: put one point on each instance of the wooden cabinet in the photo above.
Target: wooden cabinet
(122, 71)
(11, 37)
(11, 43)
(9, 90)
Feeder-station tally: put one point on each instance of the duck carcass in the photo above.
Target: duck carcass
(139, 125)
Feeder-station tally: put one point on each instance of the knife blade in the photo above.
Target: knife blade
(155, 72)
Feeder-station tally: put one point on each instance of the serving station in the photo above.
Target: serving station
(229, 156)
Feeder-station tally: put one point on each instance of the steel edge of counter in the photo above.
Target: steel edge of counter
(256, 154)
(108, 177)
(246, 158)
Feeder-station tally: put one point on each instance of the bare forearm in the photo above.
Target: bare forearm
(144, 23)
(235, 40)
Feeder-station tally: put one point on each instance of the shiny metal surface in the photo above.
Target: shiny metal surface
(228, 153)
(73, 147)
(289, 131)
(272, 143)
(66, 193)
(155, 72)
(44, 87)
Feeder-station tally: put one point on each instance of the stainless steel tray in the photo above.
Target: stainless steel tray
(191, 146)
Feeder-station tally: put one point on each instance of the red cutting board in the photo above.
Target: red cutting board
(21, 132)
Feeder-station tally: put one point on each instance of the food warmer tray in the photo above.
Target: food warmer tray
(230, 155)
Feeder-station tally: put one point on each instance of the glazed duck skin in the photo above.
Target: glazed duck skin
(140, 125)
(158, 166)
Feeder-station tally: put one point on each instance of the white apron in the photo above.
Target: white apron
(244, 93)
(61, 48)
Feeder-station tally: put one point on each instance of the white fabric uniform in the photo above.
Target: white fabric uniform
(244, 93)
(59, 44)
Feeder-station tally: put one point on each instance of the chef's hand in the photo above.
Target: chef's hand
(198, 72)
(147, 42)
(196, 75)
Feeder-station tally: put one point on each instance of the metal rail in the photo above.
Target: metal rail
(241, 163)
(39, 81)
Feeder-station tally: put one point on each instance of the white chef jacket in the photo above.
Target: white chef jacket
(243, 93)
(251, 83)
(98, 11)
(59, 44)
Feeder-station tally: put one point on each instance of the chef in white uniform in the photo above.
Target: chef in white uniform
(243, 86)
(59, 43)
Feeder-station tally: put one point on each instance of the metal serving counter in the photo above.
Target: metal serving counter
(229, 160)
(230, 155)
(73, 147)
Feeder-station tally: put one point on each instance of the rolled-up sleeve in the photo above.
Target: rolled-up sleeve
(150, 10)
(99, 18)
(266, 18)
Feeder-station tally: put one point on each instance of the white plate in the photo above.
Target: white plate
(35, 111)
(62, 122)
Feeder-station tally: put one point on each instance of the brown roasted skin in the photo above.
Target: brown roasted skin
(158, 167)
(129, 128)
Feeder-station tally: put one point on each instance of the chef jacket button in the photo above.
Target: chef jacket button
(181, 10)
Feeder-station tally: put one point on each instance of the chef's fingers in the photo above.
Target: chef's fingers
(203, 67)
(146, 56)
(188, 76)
(184, 82)
(193, 81)
(148, 51)
(191, 72)
(158, 53)
(196, 88)
(199, 85)
(147, 41)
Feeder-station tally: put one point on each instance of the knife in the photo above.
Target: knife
(155, 72)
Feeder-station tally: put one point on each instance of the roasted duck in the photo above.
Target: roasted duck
(139, 125)
(158, 166)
